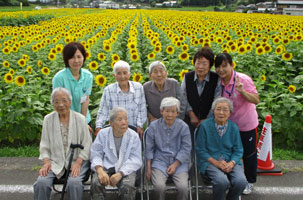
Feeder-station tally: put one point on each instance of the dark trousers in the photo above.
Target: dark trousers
(249, 141)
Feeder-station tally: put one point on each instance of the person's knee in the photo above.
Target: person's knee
(182, 186)
(221, 182)
(159, 187)
(240, 182)
(43, 182)
(74, 182)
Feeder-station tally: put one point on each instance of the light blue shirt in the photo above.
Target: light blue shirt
(165, 145)
(79, 89)
(103, 152)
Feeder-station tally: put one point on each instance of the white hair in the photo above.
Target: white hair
(114, 112)
(170, 101)
(61, 89)
(121, 64)
(154, 64)
(222, 100)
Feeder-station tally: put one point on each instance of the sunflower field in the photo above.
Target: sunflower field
(266, 47)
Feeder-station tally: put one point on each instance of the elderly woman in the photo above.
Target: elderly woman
(115, 157)
(60, 129)
(123, 93)
(76, 79)
(200, 87)
(168, 147)
(158, 88)
(240, 89)
(219, 151)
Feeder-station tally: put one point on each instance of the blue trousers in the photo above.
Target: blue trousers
(235, 181)
(74, 187)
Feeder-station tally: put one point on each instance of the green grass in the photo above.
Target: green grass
(33, 151)
(287, 154)
(17, 8)
(25, 151)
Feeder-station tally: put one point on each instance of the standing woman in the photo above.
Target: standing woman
(77, 80)
(240, 89)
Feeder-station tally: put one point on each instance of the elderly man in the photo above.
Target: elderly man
(168, 147)
(61, 128)
(158, 88)
(219, 151)
(115, 157)
(126, 94)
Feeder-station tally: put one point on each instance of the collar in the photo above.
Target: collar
(205, 79)
(165, 127)
(155, 89)
(71, 77)
(131, 87)
(231, 81)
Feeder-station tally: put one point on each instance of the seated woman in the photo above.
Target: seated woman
(158, 88)
(61, 128)
(115, 157)
(219, 151)
(168, 147)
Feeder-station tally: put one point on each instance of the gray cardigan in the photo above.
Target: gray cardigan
(51, 145)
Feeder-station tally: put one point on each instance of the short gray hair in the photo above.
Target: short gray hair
(114, 112)
(61, 89)
(222, 100)
(121, 64)
(154, 64)
(170, 101)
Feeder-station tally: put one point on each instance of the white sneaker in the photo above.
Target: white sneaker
(248, 189)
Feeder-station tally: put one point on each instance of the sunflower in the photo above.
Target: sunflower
(45, 70)
(6, 50)
(34, 48)
(233, 48)
(29, 69)
(260, 50)
(287, 56)
(182, 73)
(115, 57)
(279, 50)
(137, 77)
(263, 78)
(170, 49)
(5, 64)
(292, 88)
(158, 49)
(219, 40)
(285, 41)
(100, 80)
(131, 45)
(225, 50)
(107, 48)
(8, 78)
(248, 47)
(151, 56)
(51, 56)
(185, 48)
(184, 56)
(26, 57)
(20, 80)
(101, 56)
(59, 48)
(134, 57)
(11, 71)
(234, 64)
(39, 63)
(87, 55)
(93, 65)
(267, 48)
(242, 49)
(21, 62)
(113, 63)
(276, 40)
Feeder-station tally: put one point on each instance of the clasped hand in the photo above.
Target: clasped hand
(106, 180)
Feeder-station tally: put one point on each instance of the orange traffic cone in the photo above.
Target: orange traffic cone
(264, 151)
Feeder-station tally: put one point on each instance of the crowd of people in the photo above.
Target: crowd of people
(219, 106)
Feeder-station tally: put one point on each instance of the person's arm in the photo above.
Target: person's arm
(102, 175)
(250, 97)
(142, 115)
(97, 151)
(183, 155)
(180, 97)
(185, 100)
(148, 169)
(103, 112)
(134, 161)
(46, 167)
